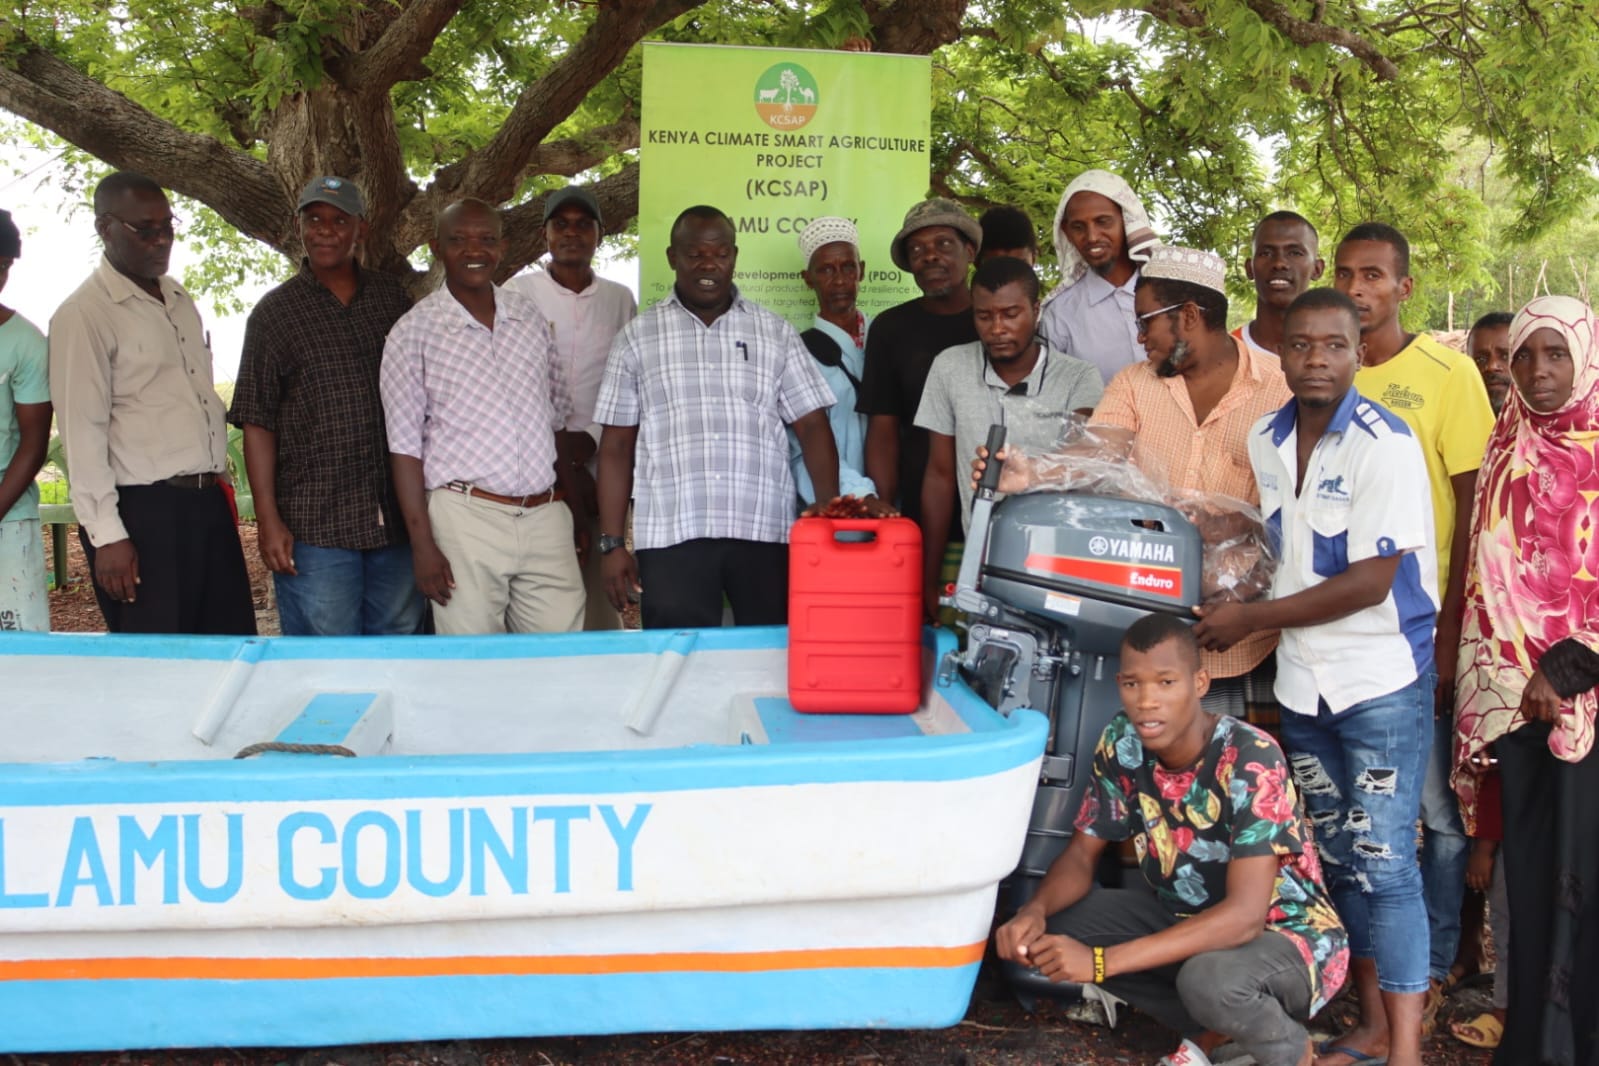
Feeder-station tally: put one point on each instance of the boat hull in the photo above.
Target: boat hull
(794, 872)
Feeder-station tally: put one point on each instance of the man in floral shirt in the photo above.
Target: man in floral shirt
(1239, 940)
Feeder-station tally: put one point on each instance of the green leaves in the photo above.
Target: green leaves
(1215, 111)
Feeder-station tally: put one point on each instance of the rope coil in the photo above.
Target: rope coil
(294, 749)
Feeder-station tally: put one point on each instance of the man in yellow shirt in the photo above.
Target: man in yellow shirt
(1439, 393)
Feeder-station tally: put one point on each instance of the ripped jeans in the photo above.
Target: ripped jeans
(1360, 772)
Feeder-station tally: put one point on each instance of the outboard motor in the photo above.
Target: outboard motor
(1050, 582)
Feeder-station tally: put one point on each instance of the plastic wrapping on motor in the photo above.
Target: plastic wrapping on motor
(1239, 557)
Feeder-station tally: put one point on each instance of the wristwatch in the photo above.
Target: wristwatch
(609, 544)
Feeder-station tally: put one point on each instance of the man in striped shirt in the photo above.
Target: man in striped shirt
(476, 406)
(696, 395)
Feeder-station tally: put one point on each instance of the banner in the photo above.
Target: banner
(775, 137)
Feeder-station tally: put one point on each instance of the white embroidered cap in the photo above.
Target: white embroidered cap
(828, 230)
(1205, 269)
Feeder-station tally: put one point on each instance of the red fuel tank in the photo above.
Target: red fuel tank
(855, 615)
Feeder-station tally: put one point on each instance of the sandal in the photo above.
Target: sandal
(1484, 1031)
(1436, 991)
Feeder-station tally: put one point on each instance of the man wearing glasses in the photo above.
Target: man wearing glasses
(1185, 413)
(145, 432)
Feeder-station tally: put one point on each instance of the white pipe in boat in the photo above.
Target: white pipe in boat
(226, 694)
(647, 705)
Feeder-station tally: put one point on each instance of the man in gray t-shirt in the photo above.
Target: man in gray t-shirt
(1010, 376)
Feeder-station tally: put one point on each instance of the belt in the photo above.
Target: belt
(192, 481)
(549, 495)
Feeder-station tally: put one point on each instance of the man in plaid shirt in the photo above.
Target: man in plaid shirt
(328, 526)
(476, 406)
(696, 395)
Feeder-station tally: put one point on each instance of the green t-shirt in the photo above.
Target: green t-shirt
(24, 378)
(1237, 801)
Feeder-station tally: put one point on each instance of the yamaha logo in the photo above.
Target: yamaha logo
(1099, 545)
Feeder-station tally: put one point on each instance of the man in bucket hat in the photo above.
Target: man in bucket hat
(936, 245)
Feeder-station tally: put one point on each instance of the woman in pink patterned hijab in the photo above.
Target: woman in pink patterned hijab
(1529, 663)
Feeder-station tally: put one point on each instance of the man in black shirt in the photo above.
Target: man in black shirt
(314, 441)
(936, 245)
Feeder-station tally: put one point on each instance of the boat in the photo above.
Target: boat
(300, 841)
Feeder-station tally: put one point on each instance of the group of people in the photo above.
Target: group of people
(476, 460)
(1435, 660)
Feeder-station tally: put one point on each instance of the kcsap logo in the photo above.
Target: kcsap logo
(786, 96)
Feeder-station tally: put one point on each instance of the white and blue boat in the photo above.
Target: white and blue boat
(436, 838)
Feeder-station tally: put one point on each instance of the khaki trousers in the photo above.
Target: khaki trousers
(515, 568)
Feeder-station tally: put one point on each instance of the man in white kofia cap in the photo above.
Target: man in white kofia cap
(833, 271)
(1102, 234)
(1186, 411)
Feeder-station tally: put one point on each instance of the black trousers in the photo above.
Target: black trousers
(1551, 860)
(192, 577)
(684, 584)
(1251, 994)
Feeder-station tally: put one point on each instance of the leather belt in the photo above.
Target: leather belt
(193, 481)
(538, 499)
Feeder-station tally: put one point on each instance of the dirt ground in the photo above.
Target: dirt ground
(996, 1032)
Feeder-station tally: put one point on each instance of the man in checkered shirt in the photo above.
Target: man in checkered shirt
(696, 395)
(476, 407)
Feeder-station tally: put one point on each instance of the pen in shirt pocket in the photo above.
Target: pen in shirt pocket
(743, 348)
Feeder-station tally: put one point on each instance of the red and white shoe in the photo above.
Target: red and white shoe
(1186, 1055)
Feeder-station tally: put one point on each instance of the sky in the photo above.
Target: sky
(60, 249)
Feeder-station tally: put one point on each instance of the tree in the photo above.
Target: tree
(1216, 111)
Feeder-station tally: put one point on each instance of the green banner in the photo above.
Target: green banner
(776, 137)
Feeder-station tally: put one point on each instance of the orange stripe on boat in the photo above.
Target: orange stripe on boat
(310, 969)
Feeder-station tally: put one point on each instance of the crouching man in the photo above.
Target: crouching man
(1238, 941)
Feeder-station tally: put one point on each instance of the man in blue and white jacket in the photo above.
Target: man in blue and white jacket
(1345, 492)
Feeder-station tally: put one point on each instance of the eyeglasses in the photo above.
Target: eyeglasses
(1142, 321)
(151, 232)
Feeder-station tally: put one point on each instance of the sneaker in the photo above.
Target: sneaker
(1186, 1055)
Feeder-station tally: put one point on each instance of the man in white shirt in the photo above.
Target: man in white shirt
(1345, 492)
(585, 313)
(145, 432)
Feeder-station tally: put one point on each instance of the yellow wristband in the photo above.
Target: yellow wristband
(1099, 966)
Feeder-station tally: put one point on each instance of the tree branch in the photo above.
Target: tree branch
(397, 55)
(915, 27)
(574, 155)
(46, 91)
(492, 172)
(1176, 13)
(1304, 33)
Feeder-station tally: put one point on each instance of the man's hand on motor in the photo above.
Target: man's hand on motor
(1060, 958)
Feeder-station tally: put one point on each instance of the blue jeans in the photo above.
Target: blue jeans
(345, 592)
(1445, 850)
(1360, 772)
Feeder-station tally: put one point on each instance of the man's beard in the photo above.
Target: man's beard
(1172, 365)
(1320, 402)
